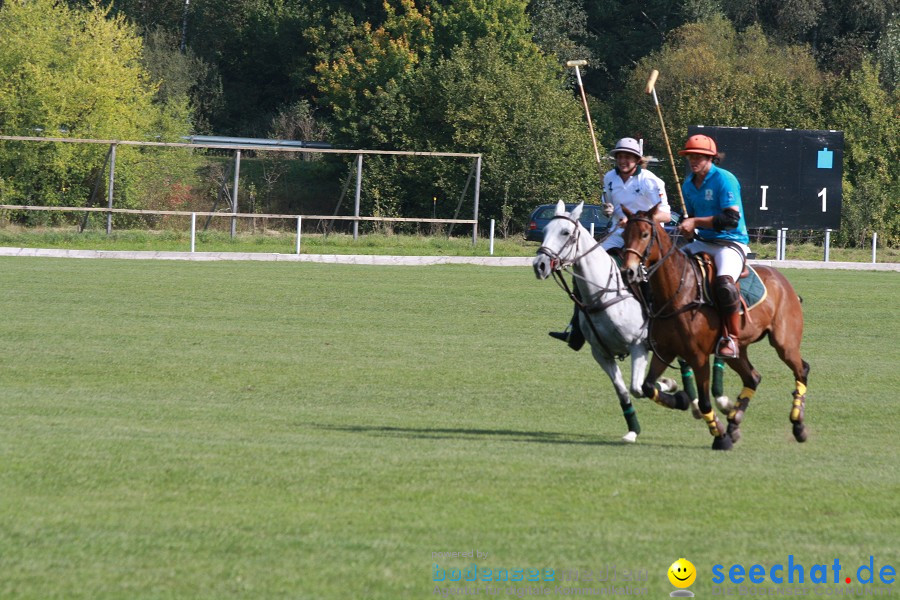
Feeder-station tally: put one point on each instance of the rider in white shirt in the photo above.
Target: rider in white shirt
(630, 184)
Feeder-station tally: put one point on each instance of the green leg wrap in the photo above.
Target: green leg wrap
(631, 419)
(718, 378)
(687, 379)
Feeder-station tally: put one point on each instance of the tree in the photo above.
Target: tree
(560, 29)
(520, 116)
(75, 72)
(710, 74)
(506, 22)
(360, 82)
(625, 32)
(870, 118)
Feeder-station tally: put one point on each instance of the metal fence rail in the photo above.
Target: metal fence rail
(237, 148)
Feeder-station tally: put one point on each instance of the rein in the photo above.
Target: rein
(558, 264)
(649, 272)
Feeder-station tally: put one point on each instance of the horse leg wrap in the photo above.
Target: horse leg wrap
(679, 400)
(715, 428)
(631, 419)
(737, 413)
(718, 378)
(687, 379)
(798, 406)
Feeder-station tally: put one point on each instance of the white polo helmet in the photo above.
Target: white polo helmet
(630, 145)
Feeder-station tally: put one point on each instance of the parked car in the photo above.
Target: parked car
(591, 213)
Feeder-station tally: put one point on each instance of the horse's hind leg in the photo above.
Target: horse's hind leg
(798, 406)
(789, 352)
(750, 378)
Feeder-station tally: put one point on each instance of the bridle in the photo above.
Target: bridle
(557, 262)
(645, 272)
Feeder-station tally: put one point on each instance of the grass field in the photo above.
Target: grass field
(283, 241)
(272, 430)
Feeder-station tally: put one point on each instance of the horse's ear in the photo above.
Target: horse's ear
(576, 212)
(560, 208)
(627, 212)
(652, 211)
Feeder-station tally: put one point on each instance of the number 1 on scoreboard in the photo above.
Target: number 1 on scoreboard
(823, 194)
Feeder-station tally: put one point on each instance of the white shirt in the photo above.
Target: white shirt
(642, 191)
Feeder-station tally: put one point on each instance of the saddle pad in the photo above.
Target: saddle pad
(752, 288)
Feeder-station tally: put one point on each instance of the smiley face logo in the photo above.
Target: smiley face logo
(682, 573)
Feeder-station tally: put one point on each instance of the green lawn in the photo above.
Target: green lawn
(272, 430)
(284, 241)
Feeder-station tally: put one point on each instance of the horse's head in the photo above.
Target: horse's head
(560, 245)
(642, 236)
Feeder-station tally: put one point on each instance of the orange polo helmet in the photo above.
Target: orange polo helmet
(699, 144)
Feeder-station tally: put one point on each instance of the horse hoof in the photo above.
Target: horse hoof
(734, 432)
(725, 404)
(800, 433)
(667, 384)
(630, 437)
(695, 409)
(723, 443)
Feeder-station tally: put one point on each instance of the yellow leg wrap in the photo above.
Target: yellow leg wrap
(656, 398)
(710, 419)
(801, 389)
(795, 409)
(746, 393)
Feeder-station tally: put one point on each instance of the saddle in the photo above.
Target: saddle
(752, 289)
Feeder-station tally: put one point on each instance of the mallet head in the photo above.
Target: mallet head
(576, 63)
(651, 81)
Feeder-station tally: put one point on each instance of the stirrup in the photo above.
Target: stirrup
(727, 347)
(560, 335)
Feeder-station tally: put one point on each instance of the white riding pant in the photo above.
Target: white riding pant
(727, 258)
(615, 240)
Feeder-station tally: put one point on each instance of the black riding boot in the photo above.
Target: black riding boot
(572, 335)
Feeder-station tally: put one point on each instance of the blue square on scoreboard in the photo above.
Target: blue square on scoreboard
(826, 159)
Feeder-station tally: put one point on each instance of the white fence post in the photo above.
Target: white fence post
(358, 191)
(234, 191)
(112, 179)
(784, 231)
(299, 219)
(193, 230)
(492, 237)
(477, 196)
(874, 244)
(827, 243)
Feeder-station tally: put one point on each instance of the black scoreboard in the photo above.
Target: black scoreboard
(789, 177)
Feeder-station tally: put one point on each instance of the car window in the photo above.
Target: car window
(546, 213)
(588, 215)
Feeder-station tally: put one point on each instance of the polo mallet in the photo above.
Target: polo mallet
(651, 89)
(718, 371)
(587, 112)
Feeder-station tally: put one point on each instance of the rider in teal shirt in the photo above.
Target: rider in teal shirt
(712, 196)
(719, 190)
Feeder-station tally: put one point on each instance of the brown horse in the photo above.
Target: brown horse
(685, 325)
